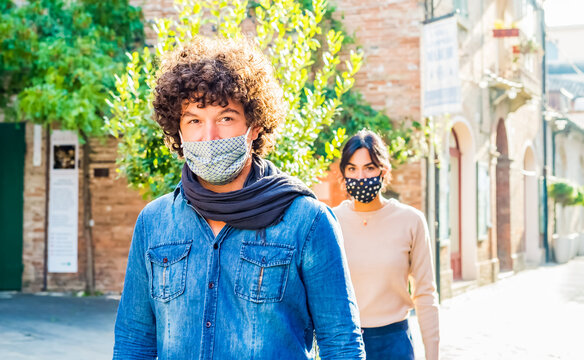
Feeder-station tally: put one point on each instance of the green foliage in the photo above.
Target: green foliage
(328, 22)
(579, 198)
(403, 141)
(288, 34)
(565, 193)
(145, 160)
(58, 59)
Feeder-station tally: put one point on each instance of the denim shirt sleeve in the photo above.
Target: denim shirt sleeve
(135, 329)
(331, 298)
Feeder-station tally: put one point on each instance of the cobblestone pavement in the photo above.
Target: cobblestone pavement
(535, 314)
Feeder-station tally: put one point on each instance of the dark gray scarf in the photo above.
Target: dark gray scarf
(266, 194)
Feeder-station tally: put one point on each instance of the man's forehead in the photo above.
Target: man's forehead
(194, 104)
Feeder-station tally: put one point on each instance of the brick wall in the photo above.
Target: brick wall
(33, 234)
(389, 34)
(115, 209)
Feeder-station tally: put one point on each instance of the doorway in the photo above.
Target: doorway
(12, 148)
(455, 220)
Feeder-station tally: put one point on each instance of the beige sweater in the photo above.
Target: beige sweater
(382, 255)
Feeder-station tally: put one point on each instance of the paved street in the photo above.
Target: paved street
(47, 327)
(536, 314)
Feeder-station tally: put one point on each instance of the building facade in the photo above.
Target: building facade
(483, 195)
(480, 190)
(566, 121)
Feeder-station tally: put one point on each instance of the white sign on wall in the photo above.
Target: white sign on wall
(37, 146)
(63, 202)
(441, 92)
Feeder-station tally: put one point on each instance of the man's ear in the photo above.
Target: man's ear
(255, 132)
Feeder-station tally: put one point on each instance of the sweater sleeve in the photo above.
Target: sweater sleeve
(424, 293)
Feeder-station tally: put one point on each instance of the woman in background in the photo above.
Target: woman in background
(387, 244)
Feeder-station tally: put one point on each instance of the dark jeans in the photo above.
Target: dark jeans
(393, 342)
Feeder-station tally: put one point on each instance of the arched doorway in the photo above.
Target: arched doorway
(531, 224)
(454, 171)
(503, 200)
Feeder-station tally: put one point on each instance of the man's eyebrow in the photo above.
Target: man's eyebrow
(224, 111)
(229, 110)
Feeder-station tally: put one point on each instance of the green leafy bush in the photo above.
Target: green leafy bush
(58, 59)
(564, 193)
(288, 34)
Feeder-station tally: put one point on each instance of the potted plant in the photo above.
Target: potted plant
(580, 201)
(501, 30)
(564, 194)
(529, 46)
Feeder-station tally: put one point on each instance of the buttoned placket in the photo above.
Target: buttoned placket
(212, 288)
(211, 296)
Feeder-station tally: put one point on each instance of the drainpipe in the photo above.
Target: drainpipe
(47, 185)
(553, 173)
(432, 173)
(544, 134)
(437, 224)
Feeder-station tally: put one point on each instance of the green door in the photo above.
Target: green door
(12, 147)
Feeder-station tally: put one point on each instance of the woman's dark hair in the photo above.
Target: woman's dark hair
(375, 146)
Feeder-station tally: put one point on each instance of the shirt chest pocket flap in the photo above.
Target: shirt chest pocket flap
(168, 270)
(263, 272)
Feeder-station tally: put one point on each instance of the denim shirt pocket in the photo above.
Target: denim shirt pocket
(263, 271)
(168, 270)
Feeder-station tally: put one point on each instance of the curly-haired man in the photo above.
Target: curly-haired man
(240, 261)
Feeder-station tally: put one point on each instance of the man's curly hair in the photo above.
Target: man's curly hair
(211, 72)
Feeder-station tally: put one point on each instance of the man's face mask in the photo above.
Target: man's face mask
(220, 161)
(364, 190)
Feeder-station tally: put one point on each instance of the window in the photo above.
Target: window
(462, 7)
(519, 8)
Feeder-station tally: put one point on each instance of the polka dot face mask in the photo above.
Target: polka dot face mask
(364, 190)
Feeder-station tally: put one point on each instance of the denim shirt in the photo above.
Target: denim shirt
(242, 294)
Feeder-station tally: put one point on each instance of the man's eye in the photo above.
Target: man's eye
(226, 119)
(192, 121)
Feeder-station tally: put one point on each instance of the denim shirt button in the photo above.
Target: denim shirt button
(215, 246)
(211, 285)
(263, 260)
(208, 324)
(165, 260)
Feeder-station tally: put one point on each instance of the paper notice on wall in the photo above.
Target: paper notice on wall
(63, 202)
(441, 92)
(37, 146)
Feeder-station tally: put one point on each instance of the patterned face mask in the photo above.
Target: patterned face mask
(217, 162)
(364, 190)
